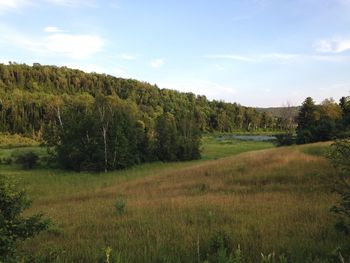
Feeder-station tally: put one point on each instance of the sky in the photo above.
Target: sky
(254, 52)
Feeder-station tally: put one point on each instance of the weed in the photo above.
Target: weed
(120, 206)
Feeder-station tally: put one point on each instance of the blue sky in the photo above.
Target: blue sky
(254, 52)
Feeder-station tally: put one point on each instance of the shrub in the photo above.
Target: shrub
(13, 226)
(340, 158)
(6, 160)
(27, 160)
(120, 206)
(285, 139)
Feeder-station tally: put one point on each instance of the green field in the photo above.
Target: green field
(258, 197)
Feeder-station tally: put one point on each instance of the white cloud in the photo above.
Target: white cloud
(256, 57)
(126, 56)
(231, 57)
(281, 58)
(8, 5)
(76, 46)
(73, 3)
(52, 29)
(335, 45)
(12, 4)
(157, 63)
(219, 67)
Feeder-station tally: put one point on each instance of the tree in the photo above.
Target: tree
(14, 226)
(98, 134)
(167, 140)
(345, 110)
(340, 158)
(306, 121)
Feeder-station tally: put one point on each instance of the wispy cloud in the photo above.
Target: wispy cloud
(73, 3)
(76, 46)
(126, 56)
(335, 45)
(219, 67)
(6, 5)
(13, 4)
(52, 29)
(282, 58)
(157, 63)
(231, 57)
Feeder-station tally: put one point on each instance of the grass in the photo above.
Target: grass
(271, 200)
(15, 140)
(213, 148)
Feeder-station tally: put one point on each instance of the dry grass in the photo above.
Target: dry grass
(269, 200)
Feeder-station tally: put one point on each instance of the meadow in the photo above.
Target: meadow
(242, 194)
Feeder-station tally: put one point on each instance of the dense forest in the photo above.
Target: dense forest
(99, 122)
(29, 95)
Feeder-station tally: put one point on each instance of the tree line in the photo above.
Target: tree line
(107, 133)
(29, 94)
(327, 121)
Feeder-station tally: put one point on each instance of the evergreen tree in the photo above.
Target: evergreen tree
(306, 121)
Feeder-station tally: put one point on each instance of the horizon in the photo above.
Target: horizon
(258, 53)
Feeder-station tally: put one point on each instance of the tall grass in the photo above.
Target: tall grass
(266, 201)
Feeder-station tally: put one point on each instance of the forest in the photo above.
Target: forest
(68, 136)
(99, 122)
(31, 96)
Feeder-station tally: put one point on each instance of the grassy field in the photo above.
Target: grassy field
(264, 200)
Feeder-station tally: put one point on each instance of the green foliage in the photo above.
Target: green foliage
(105, 133)
(6, 160)
(33, 97)
(120, 206)
(285, 139)
(340, 157)
(28, 160)
(322, 122)
(177, 137)
(306, 120)
(15, 140)
(13, 225)
(219, 247)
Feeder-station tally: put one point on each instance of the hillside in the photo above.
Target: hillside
(265, 201)
(30, 97)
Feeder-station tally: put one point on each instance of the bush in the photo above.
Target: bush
(340, 158)
(27, 160)
(13, 226)
(6, 160)
(285, 139)
(120, 206)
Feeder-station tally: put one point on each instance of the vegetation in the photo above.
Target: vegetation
(15, 140)
(28, 160)
(14, 226)
(340, 157)
(105, 133)
(323, 122)
(263, 206)
(34, 97)
(270, 201)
